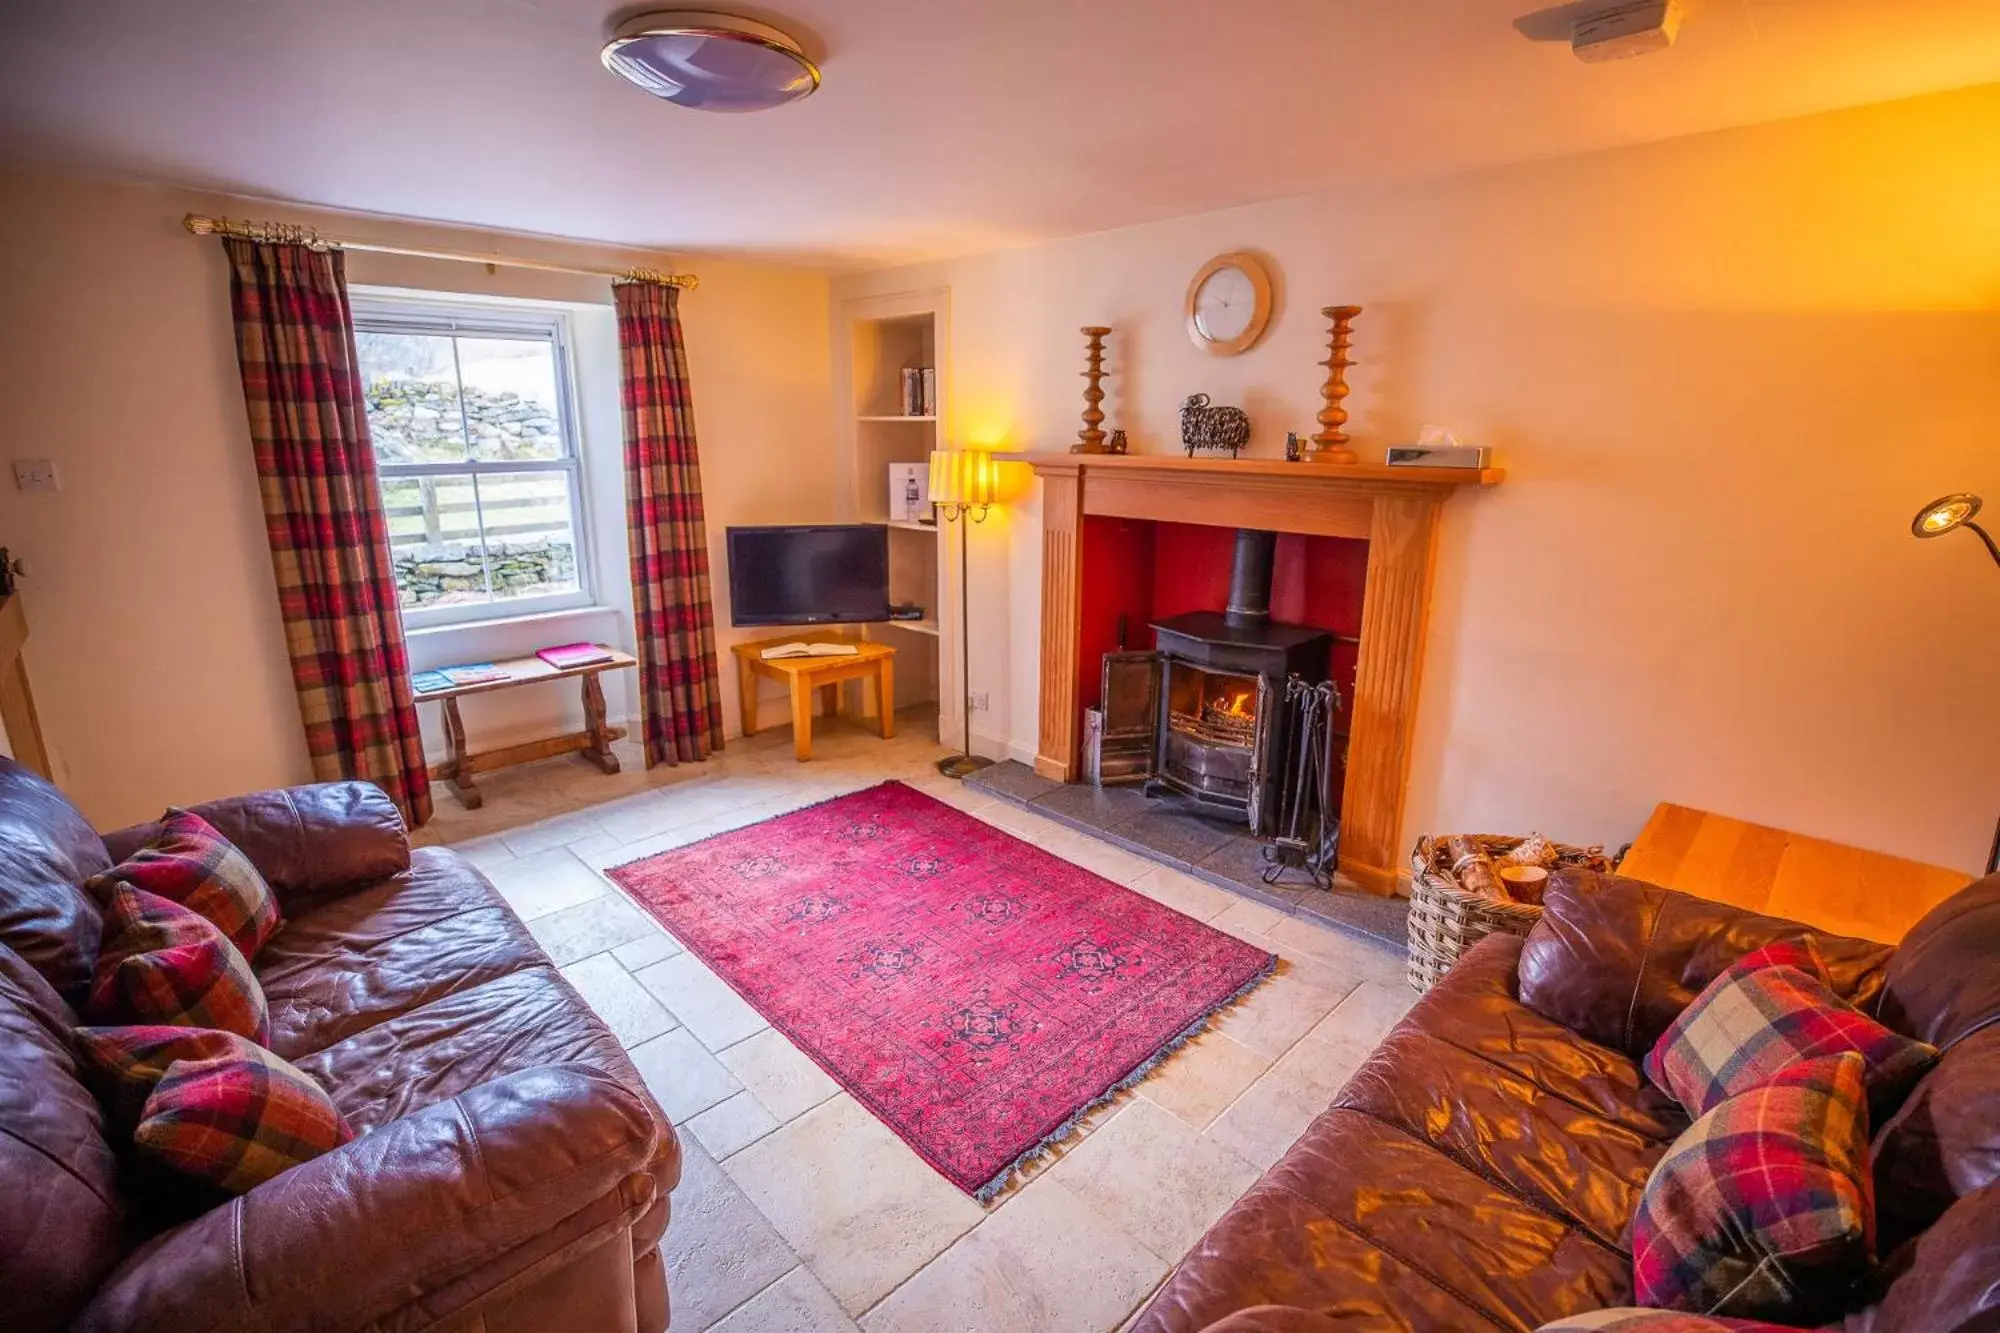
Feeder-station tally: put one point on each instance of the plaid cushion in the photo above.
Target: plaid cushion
(123, 1063)
(237, 1120)
(1762, 1208)
(189, 863)
(1767, 1011)
(210, 1104)
(1632, 1319)
(162, 963)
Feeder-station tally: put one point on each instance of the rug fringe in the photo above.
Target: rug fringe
(991, 1189)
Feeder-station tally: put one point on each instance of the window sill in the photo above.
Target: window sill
(437, 633)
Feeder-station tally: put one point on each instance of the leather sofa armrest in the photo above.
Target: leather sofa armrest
(429, 1213)
(1277, 1319)
(1617, 959)
(305, 841)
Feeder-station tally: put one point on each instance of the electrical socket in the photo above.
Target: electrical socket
(979, 703)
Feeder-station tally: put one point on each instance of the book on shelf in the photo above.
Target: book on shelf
(568, 655)
(919, 391)
(782, 650)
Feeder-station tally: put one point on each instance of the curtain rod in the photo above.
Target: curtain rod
(293, 234)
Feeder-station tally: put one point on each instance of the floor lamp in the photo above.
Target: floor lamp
(1946, 514)
(962, 488)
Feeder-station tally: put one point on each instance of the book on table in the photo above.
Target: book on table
(809, 650)
(570, 655)
(429, 682)
(475, 673)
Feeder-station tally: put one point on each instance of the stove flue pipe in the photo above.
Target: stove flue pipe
(1250, 578)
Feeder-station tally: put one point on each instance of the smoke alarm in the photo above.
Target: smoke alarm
(1621, 31)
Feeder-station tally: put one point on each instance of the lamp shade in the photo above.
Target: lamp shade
(964, 477)
(944, 477)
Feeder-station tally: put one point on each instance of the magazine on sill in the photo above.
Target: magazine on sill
(809, 650)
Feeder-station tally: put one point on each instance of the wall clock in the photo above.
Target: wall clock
(1229, 303)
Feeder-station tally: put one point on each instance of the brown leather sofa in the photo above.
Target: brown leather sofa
(510, 1170)
(1480, 1170)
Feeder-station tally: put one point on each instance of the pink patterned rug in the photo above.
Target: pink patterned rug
(976, 993)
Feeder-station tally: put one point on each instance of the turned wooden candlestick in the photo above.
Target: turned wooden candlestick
(1090, 440)
(1330, 444)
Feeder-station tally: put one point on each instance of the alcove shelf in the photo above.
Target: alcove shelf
(881, 339)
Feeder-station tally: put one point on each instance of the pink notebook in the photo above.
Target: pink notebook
(575, 655)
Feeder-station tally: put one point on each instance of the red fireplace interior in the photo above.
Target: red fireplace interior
(1146, 570)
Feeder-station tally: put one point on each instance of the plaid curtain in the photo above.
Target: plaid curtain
(672, 617)
(323, 516)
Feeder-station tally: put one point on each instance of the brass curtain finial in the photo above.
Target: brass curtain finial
(685, 281)
(288, 233)
(267, 233)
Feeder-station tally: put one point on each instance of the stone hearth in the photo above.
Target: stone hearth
(1177, 834)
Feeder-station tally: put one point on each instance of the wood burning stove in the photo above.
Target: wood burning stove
(1219, 736)
(1216, 738)
(1203, 714)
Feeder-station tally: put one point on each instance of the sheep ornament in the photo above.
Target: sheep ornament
(1212, 428)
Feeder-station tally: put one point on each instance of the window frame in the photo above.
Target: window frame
(395, 315)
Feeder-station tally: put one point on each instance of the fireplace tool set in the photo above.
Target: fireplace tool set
(1307, 836)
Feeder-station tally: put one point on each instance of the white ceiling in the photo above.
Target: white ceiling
(944, 126)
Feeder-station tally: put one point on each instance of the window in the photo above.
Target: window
(475, 442)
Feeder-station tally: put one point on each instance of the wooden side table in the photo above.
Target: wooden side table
(803, 675)
(1837, 888)
(594, 741)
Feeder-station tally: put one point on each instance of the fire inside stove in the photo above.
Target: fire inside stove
(1214, 706)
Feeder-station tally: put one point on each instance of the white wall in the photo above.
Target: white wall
(1722, 373)
(155, 646)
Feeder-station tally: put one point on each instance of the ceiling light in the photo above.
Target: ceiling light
(710, 62)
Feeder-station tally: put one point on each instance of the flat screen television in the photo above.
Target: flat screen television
(822, 575)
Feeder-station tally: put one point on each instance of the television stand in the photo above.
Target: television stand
(802, 675)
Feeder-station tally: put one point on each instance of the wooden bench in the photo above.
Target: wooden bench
(594, 741)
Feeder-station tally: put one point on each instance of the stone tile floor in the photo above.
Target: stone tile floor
(798, 1211)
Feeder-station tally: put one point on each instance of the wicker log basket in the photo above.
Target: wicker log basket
(1446, 918)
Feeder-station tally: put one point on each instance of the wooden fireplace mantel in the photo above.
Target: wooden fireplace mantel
(1335, 476)
(1396, 510)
